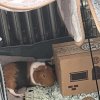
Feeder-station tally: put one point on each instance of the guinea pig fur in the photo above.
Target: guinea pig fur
(23, 74)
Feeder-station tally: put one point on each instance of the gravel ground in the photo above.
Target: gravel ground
(96, 4)
(53, 93)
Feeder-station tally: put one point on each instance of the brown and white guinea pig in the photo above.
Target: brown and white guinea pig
(23, 74)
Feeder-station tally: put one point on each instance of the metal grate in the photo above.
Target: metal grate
(31, 27)
(88, 21)
(3, 95)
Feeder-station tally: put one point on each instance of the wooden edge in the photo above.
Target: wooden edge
(7, 9)
(94, 15)
(25, 8)
(81, 24)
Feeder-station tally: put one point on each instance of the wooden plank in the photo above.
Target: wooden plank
(23, 5)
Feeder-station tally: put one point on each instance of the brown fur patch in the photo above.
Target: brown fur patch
(10, 71)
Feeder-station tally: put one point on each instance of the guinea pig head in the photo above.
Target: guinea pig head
(44, 75)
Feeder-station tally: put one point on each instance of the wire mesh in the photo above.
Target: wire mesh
(40, 25)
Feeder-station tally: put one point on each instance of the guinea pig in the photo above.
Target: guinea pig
(23, 74)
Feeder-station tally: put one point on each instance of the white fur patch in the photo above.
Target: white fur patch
(33, 67)
(15, 94)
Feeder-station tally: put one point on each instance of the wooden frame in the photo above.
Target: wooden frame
(19, 7)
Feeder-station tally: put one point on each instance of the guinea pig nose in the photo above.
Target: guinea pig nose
(43, 75)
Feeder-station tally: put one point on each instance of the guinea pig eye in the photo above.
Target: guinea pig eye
(43, 75)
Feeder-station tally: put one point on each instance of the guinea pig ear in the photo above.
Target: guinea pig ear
(40, 68)
(47, 63)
